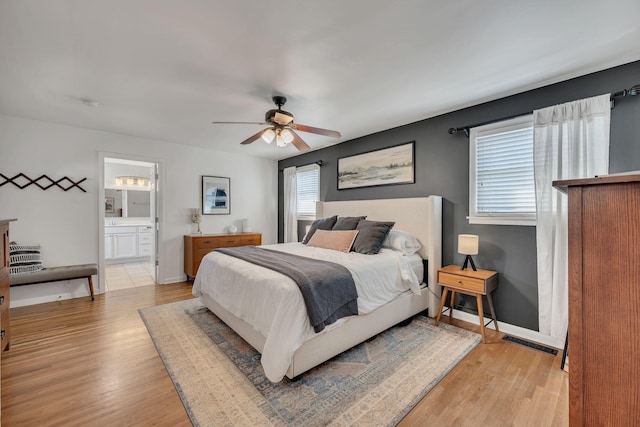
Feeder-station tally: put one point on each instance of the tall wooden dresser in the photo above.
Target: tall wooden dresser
(196, 246)
(4, 289)
(604, 300)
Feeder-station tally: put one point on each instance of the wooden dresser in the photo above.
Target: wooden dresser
(196, 246)
(604, 300)
(4, 288)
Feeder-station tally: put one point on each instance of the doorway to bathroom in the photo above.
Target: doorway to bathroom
(130, 226)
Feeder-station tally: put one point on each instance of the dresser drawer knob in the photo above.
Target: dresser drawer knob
(459, 282)
(3, 334)
(1, 299)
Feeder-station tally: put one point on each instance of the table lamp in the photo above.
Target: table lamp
(196, 218)
(468, 245)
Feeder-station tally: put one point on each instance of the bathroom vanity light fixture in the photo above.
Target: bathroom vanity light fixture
(133, 181)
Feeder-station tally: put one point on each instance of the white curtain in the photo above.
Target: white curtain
(570, 141)
(290, 205)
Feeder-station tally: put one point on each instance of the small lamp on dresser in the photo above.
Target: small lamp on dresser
(468, 245)
(196, 218)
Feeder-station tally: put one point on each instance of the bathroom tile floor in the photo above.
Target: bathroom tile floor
(130, 275)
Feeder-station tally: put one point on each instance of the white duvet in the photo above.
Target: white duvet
(272, 303)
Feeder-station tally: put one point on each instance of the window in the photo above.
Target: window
(308, 190)
(501, 182)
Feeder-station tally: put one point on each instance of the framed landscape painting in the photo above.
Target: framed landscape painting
(216, 195)
(388, 166)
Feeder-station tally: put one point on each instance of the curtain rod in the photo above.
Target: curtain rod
(635, 90)
(319, 163)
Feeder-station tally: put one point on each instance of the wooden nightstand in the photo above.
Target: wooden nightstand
(469, 282)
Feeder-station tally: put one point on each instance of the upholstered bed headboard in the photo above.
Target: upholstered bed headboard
(420, 216)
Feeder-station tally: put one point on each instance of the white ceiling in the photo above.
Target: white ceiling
(165, 69)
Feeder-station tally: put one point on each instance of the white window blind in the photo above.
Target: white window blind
(501, 182)
(308, 183)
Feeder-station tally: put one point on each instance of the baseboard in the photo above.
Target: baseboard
(517, 331)
(170, 280)
(41, 293)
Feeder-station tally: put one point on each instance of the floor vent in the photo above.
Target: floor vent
(531, 345)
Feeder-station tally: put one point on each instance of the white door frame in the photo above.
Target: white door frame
(159, 235)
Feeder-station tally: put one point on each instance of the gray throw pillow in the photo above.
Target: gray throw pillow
(371, 235)
(320, 224)
(348, 222)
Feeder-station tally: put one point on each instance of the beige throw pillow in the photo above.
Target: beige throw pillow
(336, 240)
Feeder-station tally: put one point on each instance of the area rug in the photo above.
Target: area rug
(220, 380)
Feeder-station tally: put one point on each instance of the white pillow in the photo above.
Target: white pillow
(402, 241)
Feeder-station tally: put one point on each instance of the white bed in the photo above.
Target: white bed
(226, 286)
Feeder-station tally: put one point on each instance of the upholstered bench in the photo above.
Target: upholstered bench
(56, 274)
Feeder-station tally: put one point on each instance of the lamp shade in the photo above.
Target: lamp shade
(283, 138)
(287, 136)
(468, 244)
(268, 135)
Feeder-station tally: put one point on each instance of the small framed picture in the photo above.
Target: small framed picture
(108, 205)
(216, 195)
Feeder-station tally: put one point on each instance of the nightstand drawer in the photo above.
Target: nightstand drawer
(461, 282)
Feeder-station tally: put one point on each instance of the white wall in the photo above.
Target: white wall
(66, 223)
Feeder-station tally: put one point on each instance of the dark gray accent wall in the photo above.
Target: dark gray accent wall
(442, 168)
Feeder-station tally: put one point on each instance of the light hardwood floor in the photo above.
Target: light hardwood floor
(83, 363)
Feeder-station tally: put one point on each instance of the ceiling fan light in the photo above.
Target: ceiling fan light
(268, 136)
(286, 136)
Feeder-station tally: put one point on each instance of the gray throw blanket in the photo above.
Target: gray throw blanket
(328, 289)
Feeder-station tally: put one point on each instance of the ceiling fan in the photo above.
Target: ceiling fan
(281, 128)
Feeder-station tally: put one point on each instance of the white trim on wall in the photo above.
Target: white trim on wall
(517, 331)
(160, 214)
(52, 291)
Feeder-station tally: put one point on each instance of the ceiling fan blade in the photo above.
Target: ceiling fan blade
(239, 123)
(253, 137)
(282, 119)
(298, 142)
(319, 131)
